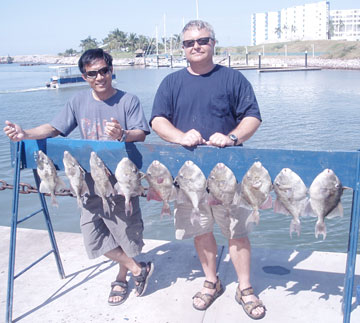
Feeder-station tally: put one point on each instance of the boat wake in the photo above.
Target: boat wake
(25, 90)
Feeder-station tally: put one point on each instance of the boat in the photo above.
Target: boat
(67, 76)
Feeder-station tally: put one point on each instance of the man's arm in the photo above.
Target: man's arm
(114, 130)
(166, 130)
(243, 131)
(16, 133)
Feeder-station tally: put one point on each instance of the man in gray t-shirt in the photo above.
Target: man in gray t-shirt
(103, 113)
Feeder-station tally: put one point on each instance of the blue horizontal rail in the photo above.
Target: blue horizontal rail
(307, 164)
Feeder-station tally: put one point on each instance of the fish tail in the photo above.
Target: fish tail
(106, 207)
(165, 209)
(128, 207)
(320, 228)
(79, 202)
(295, 226)
(54, 201)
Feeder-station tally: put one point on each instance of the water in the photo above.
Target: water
(314, 110)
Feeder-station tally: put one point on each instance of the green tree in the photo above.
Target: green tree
(88, 43)
(115, 40)
(132, 41)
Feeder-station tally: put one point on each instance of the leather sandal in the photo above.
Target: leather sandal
(249, 306)
(143, 278)
(208, 299)
(121, 293)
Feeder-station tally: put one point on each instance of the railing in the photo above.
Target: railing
(307, 164)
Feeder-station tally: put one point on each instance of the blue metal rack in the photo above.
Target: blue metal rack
(307, 164)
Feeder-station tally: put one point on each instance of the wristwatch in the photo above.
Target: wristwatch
(233, 138)
(124, 135)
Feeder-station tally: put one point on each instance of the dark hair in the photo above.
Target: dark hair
(91, 55)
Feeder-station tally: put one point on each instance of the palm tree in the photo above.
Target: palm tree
(88, 43)
(132, 41)
(116, 39)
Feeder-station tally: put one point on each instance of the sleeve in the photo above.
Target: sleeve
(135, 116)
(246, 103)
(162, 102)
(65, 121)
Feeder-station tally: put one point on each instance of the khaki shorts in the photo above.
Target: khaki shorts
(103, 233)
(232, 221)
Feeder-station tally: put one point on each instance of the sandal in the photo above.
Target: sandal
(122, 293)
(208, 299)
(249, 306)
(143, 278)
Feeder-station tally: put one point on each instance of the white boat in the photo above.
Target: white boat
(67, 76)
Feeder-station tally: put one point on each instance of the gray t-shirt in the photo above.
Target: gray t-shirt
(91, 115)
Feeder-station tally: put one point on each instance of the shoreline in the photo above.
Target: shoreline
(353, 64)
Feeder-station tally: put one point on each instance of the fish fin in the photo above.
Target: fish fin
(267, 204)
(236, 198)
(280, 208)
(338, 211)
(152, 194)
(84, 189)
(109, 189)
(44, 188)
(308, 211)
(195, 216)
(173, 194)
(142, 175)
(253, 217)
(242, 203)
(320, 228)
(165, 209)
(181, 197)
(118, 189)
(295, 226)
(212, 200)
(59, 184)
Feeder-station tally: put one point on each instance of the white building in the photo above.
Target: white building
(307, 22)
(345, 24)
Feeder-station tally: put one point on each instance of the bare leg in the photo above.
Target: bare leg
(125, 264)
(206, 249)
(240, 253)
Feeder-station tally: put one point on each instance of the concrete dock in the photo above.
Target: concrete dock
(295, 286)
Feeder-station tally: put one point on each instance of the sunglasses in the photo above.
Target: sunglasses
(93, 74)
(200, 41)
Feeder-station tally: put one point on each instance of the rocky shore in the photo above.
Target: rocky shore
(270, 61)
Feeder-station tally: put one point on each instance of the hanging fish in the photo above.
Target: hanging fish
(161, 187)
(128, 182)
(255, 191)
(192, 186)
(50, 181)
(325, 199)
(291, 197)
(76, 175)
(102, 184)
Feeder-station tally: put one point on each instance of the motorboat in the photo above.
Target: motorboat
(67, 76)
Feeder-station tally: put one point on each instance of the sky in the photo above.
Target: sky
(29, 27)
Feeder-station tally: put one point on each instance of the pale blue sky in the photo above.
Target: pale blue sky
(50, 27)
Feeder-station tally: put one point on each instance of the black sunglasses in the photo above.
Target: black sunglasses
(102, 71)
(200, 41)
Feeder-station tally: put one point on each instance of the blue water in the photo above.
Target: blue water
(313, 110)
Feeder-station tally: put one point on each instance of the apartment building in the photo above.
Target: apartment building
(306, 22)
(345, 24)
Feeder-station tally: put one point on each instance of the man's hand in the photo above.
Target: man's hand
(14, 131)
(192, 138)
(113, 129)
(219, 140)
